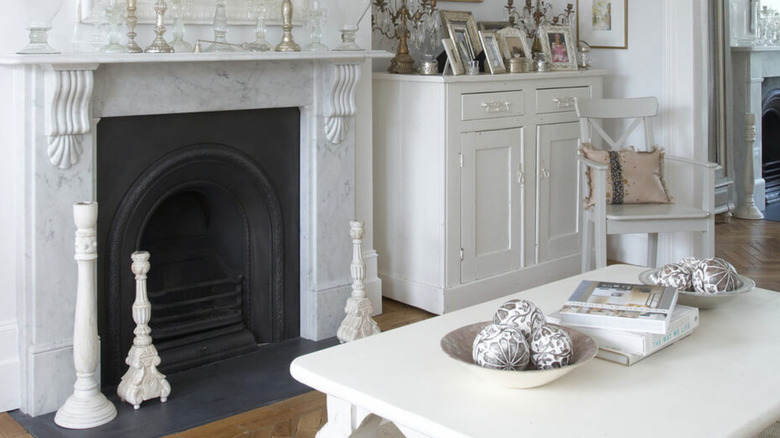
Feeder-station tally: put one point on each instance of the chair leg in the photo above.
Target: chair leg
(587, 245)
(600, 238)
(652, 250)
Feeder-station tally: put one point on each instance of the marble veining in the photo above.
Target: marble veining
(163, 85)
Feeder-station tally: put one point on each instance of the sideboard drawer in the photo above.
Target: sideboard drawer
(491, 105)
(556, 100)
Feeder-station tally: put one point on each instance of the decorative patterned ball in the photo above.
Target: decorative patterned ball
(691, 263)
(674, 275)
(502, 347)
(551, 347)
(522, 314)
(715, 275)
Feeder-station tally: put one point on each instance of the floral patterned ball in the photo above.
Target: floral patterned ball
(501, 347)
(551, 347)
(522, 314)
(690, 262)
(675, 275)
(715, 275)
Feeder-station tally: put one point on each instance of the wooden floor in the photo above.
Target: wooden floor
(752, 246)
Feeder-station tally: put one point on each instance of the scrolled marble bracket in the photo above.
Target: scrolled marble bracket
(342, 102)
(67, 94)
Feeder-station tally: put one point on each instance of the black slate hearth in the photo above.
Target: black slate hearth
(199, 395)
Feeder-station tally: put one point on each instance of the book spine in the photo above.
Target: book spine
(625, 358)
(675, 332)
(616, 307)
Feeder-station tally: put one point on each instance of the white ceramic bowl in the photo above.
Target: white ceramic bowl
(458, 345)
(704, 301)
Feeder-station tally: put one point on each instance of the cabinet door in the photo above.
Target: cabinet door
(491, 202)
(557, 191)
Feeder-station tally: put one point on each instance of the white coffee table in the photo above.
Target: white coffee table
(723, 380)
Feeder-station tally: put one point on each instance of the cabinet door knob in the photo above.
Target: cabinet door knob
(496, 106)
(564, 102)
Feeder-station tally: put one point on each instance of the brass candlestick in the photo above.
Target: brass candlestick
(131, 20)
(399, 17)
(288, 44)
(159, 45)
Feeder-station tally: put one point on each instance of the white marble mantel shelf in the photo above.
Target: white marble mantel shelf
(65, 59)
(755, 48)
(69, 85)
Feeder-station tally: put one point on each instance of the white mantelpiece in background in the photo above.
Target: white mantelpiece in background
(37, 250)
(750, 66)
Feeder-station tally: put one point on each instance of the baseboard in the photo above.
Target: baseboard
(439, 300)
(10, 377)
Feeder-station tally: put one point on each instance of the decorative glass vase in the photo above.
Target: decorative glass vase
(38, 15)
(220, 43)
(314, 20)
(114, 17)
(260, 10)
(177, 12)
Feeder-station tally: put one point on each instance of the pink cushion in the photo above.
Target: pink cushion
(634, 177)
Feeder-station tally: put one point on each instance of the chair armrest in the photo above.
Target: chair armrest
(592, 164)
(704, 164)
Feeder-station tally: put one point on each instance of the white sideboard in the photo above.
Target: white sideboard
(476, 183)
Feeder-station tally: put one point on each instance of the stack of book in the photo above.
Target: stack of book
(628, 321)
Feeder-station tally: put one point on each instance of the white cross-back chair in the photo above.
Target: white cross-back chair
(603, 219)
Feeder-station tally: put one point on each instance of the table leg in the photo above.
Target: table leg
(347, 420)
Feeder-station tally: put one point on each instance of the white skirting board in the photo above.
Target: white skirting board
(9, 366)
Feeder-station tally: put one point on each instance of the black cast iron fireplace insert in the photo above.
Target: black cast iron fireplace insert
(214, 197)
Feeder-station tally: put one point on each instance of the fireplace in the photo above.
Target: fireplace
(770, 140)
(214, 197)
(62, 105)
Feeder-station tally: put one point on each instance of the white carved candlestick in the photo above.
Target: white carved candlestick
(358, 323)
(747, 206)
(142, 381)
(87, 407)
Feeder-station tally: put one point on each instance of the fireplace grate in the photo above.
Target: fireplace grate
(771, 174)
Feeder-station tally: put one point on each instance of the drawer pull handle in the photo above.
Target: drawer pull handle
(564, 102)
(496, 106)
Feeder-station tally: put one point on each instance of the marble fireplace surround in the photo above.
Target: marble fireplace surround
(58, 101)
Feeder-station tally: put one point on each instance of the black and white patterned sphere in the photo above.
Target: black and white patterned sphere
(501, 347)
(522, 314)
(715, 275)
(691, 263)
(674, 275)
(551, 347)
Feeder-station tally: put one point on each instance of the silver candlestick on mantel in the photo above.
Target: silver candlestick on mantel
(131, 21)
(288, 44)
(159, 45)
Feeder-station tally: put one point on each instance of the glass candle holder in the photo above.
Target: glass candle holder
(114, 11)
(38, 15)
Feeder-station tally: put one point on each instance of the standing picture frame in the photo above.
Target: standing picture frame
(513, 43)
(492, 26)
(493, 58)
(458, 20)
(453, 57)
(603, 24)
(558, 47)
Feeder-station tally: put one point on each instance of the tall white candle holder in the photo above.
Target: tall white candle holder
(142, 381)
(87, 407)
(746, 209)
(358, 323)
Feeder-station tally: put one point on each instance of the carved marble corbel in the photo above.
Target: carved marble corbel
(68, 92)
(342, 102)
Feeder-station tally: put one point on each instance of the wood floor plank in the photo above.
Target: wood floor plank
(9, 428)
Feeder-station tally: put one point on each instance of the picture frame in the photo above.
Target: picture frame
(558, 47)
(603, 24)
(493, 59)
(454, 57)
(459, 35)
(513, 43)
(492, 26)
(457, 20)
(462, 1)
